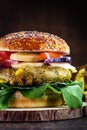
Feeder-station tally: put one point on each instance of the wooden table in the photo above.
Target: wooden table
(71, 124)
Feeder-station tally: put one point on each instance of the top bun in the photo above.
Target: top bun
(33, 41)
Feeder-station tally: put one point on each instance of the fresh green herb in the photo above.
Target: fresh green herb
(35, 92)
(54, 90)
(71, 91)
(72, 96)
(4, 100)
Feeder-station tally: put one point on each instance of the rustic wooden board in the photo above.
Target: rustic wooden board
(42, 114)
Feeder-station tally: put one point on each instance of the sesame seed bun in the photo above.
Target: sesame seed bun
(33, 41)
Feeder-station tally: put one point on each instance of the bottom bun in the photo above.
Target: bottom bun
(19, 101)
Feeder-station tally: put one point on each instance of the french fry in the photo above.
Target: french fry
(80, 77)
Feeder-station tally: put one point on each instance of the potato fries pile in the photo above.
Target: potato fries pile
(81, 76)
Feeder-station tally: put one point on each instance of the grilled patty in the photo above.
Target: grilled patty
(34, 75)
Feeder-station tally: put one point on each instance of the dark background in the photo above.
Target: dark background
(68, 21)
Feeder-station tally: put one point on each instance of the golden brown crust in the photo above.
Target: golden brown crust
(19, 101)
(33, 41)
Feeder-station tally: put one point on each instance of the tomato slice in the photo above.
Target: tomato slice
(4, 55)
(48, 55)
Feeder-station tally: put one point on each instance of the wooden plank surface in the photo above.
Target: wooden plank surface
(42, 114)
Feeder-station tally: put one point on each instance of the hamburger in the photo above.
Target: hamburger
(36, 71)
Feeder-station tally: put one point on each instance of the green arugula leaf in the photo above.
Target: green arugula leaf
(71, 91)
(35, 92)
(39, 91)
(72, 95)
(2, 85)
(4, 100)
(53, 89)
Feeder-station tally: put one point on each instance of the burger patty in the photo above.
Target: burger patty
(34, 75)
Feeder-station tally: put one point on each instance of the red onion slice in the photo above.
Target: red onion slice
(7, 63)
(63, 59)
